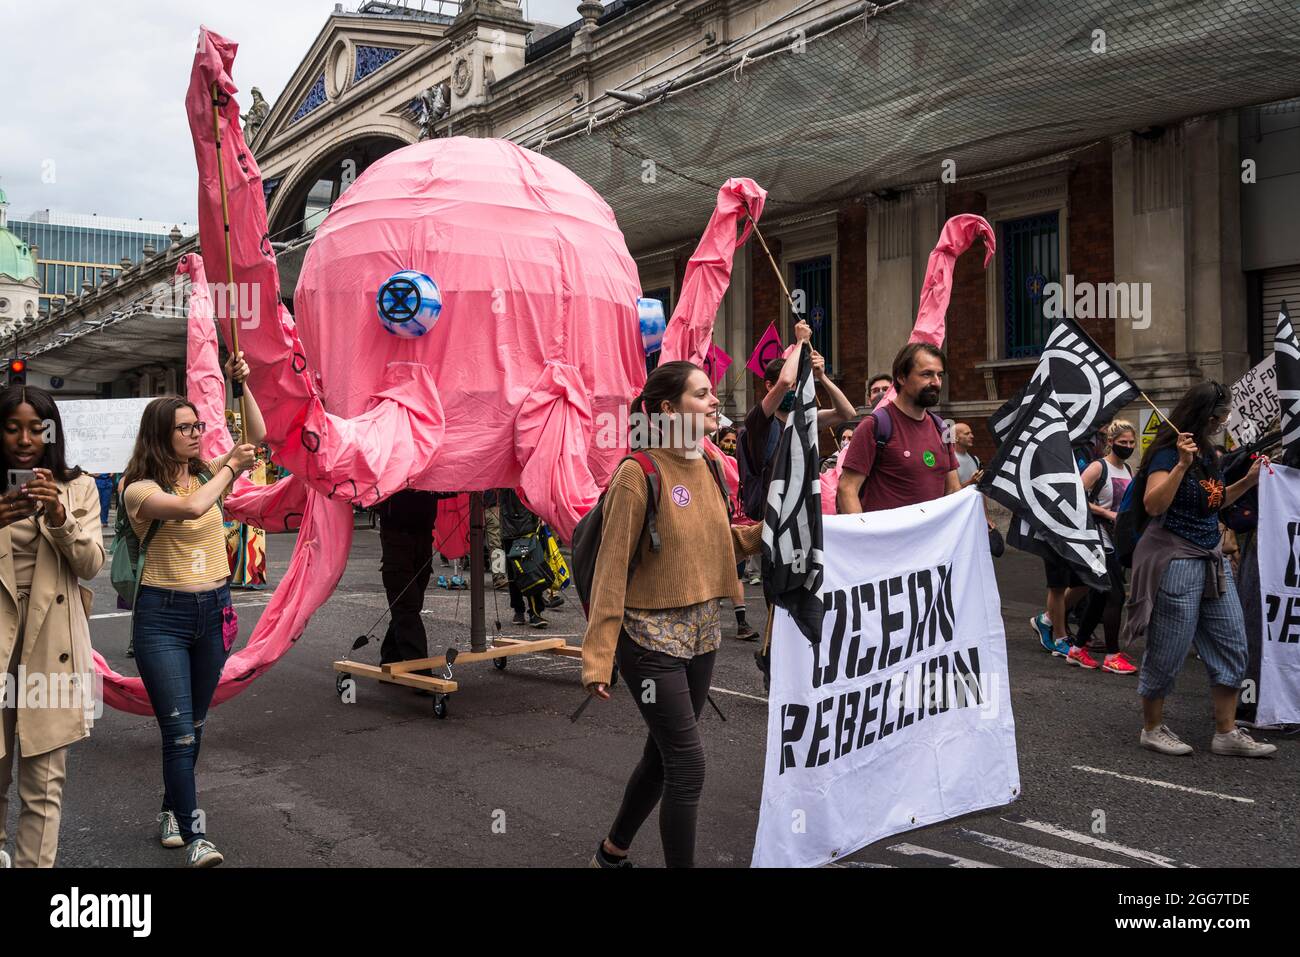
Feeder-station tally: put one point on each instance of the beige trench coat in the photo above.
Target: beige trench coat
(56, 641)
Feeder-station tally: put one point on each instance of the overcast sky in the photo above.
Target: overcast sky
(92, 94)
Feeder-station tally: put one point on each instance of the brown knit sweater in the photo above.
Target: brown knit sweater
(696, 560)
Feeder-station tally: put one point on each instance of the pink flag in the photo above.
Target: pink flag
(716, 364)
(708, 272)
(768, 348)
(957, 236)
(205, 383)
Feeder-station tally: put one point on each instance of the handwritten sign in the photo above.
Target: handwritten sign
(99, 434)
(1255, 405)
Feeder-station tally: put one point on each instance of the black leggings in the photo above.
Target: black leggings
(671, 693)
(1104, 607)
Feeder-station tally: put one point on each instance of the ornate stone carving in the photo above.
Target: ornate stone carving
(460, 76)
(256, 115)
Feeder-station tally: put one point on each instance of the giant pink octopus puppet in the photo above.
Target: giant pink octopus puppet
(465, 316)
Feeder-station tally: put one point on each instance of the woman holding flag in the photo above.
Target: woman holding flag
(661, 622)
(184, 624)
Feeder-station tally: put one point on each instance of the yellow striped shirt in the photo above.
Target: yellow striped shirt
(183, 551)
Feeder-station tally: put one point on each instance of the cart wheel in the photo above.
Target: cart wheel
(340, 682)
(440, 705)
(500, 663)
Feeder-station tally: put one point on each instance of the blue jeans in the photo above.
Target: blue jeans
(1183, 617)
(180, 653)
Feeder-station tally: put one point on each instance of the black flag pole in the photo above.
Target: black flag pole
(793, 308)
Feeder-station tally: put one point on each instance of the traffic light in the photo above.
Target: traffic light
(17, 371)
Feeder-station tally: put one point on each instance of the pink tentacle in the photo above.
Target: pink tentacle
(708, 272)
(553, 424)
(957, 236)
(335, 456)
(319, 557)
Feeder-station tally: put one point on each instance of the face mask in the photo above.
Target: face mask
(787, 402)
(1122, 452)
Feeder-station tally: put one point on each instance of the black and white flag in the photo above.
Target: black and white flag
(792, 523)
(1287, 363)
(1034, 475)
(1090, 387)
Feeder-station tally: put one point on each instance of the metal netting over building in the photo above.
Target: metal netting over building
(880, 97)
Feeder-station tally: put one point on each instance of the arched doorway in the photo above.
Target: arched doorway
(312, 195)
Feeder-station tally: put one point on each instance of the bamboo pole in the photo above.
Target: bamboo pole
(793, 308)
(237, 387)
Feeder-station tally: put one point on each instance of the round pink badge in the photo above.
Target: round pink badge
(681, 496)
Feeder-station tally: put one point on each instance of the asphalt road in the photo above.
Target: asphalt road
(291, 776)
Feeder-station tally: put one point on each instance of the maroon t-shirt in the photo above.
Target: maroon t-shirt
(913, 467)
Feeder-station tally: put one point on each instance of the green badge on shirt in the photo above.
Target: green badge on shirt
(928, 458)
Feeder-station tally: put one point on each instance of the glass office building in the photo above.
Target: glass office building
(72, 250)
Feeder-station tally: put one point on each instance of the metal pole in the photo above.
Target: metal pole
(477, 632)
(237, 387)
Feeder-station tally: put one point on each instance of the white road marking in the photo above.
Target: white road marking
(912, 850)
(1159, 860)
(575, 661)
(1031, 852)
(127, 614)
(738, 694)
(1165, 784)
(856, 863)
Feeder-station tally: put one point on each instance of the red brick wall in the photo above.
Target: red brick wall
(851, 300)
(966, 342)
(1092, 234)
(768, 300)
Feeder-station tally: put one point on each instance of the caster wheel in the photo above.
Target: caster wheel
(500, 663)
(341, 682)
(440, 705)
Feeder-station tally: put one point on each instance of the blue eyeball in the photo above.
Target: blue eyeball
(408, 304)
(653, 324)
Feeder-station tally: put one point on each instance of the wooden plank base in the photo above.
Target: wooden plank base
(401, 672)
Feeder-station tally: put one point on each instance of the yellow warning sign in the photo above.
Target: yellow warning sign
(1150, 426)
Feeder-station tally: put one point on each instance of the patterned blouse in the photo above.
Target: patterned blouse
(679, 632)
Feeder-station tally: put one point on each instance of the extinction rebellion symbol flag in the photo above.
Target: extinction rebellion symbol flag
(1034, 475)
(1287, 363)
(1090, 388)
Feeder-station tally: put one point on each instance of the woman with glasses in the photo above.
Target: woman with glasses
(1183, 590)
(184, 625)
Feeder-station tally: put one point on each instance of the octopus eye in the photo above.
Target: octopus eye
(408, 304)
(651, 313)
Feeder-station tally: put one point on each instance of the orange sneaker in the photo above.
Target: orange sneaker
(1080, 657)
(1118, 664)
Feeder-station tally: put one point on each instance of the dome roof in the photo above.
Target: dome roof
(16, 257)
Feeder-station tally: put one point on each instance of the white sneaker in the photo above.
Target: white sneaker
(1239, 744)
(1164, 741)
(169, 832)
(4, 860)
(203, 854)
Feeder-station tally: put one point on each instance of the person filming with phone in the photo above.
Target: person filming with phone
(50, 541)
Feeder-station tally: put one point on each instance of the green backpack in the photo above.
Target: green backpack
(129, 550)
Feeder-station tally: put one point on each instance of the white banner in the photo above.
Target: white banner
(100, 433)
(1279, 586)
(1255, 404)
(902, 716)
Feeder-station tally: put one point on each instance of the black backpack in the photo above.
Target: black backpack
(587, 534)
